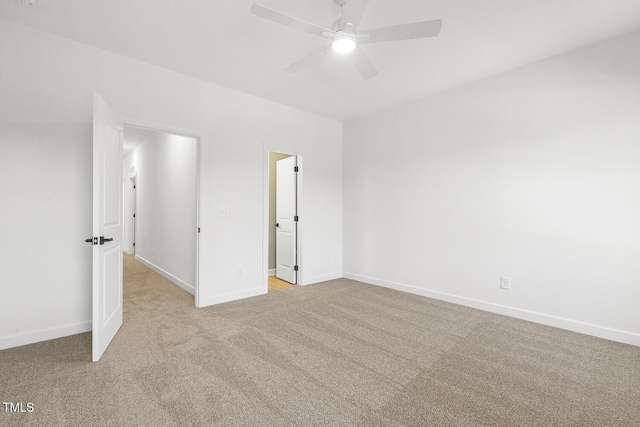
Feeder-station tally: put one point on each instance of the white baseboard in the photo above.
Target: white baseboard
(233, 296)
(322, 278)
(532, 316)
(271, 272)
(20, 339)
(187, 287)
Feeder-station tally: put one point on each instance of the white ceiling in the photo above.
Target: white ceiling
(222, 42)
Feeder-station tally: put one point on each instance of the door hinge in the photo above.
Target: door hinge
(134, 215)
(295, 218)
(198, 229)
(296, 169)
(134, 187)
(134, 243)
(295, 268)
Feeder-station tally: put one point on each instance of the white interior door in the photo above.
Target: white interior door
(107, 225)
(286, 220)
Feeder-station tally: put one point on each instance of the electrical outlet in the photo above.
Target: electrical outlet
(239, 272)
(224, 212)
(505, 282)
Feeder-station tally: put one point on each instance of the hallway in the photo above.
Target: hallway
(146, 291)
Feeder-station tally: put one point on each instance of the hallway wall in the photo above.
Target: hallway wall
(166, 205)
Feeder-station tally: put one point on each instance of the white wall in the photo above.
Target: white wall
(533, 174)
(50, 80)
(166, 205)
(45, 266)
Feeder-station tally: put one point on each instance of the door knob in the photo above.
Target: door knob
(277, 224)
(102, 240)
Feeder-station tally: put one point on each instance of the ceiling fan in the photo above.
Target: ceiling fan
(344, 35)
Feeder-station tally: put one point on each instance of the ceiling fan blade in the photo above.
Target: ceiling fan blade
(363, 65)
(289, 21)
(354, 10)
(313, 56)
(416, 30)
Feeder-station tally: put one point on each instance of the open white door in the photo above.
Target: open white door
(107, 225)
(286, 220)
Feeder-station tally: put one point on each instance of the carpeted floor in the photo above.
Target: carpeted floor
(336, 353)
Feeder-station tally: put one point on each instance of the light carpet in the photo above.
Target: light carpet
(331, 354)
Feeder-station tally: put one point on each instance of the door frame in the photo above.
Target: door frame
(265, 218)
(199, 296)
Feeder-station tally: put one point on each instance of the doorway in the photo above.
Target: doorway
(283, 268)
(160, 182)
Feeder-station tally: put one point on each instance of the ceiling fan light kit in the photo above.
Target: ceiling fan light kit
(345, 37)
(343, 43)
